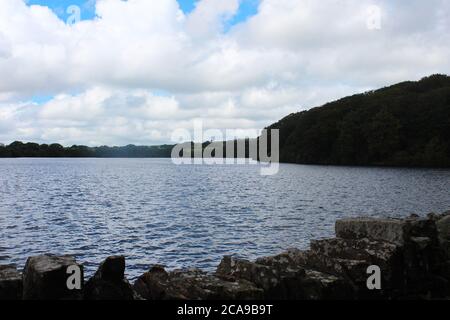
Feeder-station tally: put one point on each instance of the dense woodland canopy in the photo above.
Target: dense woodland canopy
(19, 149)
(407, 124)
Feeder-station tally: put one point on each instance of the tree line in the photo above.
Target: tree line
(407, 124)
(20, 149)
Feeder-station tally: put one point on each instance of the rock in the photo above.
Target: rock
(313, 284)
(373, 251)
(422, 243)
(45, 277)
(437, 217)
(443, 228)
(445, 245)
(284, 261)
(352, 270)
(421, 227)
(395, 231)
(276, 281)
(416, 268)
(112, 269)
(153, 285)
(321, 286)
(109, 282)
(406, 268)
(10, 283)
(348, 260)
(353, 257)
(445, 272)
(281, 277)
(389, 230)
(193, 284)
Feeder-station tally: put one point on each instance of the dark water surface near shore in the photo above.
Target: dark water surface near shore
(190, 216)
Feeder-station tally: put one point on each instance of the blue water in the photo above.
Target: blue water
(155, 212)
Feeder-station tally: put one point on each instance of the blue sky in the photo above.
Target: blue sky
(60, 7)
(247, 8)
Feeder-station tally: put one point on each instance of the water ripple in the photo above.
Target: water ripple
(190, 216)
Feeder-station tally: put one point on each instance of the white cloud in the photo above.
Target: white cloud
(292, 55)
(207, 19)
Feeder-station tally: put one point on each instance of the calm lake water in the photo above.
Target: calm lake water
(154, 212)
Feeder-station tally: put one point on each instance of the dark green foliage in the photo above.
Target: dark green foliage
(19, 149)
(407, 124)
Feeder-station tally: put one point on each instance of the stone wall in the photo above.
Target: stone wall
(413, 257)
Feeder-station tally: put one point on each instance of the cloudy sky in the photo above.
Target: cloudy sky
(134, 71)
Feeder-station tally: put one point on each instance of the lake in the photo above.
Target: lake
(155, 212)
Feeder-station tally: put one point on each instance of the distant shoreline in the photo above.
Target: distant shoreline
(281, 162)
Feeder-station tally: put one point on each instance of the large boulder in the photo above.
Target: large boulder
(10, 283)
(397, 231)
(276, 285)
(322, 286)
(417, 267)
(281, 277)
(46, 277)
(375, 252)
(109, 282)
(352, 258)
(312, 284)
(192, 284)
(389, 230)
(353, 270)
(443, 228)
(386, 255)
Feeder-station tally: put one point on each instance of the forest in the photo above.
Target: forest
(26, 150)
(407, 124)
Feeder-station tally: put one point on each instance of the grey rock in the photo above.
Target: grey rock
(422, 243)
(353, 270)
(45, 278)
(373, 251)
(389, 230)
(395, 231)
(10, 283)
(352, 258)
(277, 282)
(153, 285)
(193, 284)
(312, 284)
(321, 286)
(421, 227)
(109, 282)
(445, 246)
(443, 228)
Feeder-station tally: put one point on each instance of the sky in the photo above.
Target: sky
(246, 8)
(136, 71)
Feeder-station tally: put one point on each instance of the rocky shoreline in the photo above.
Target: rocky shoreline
(412, 257)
